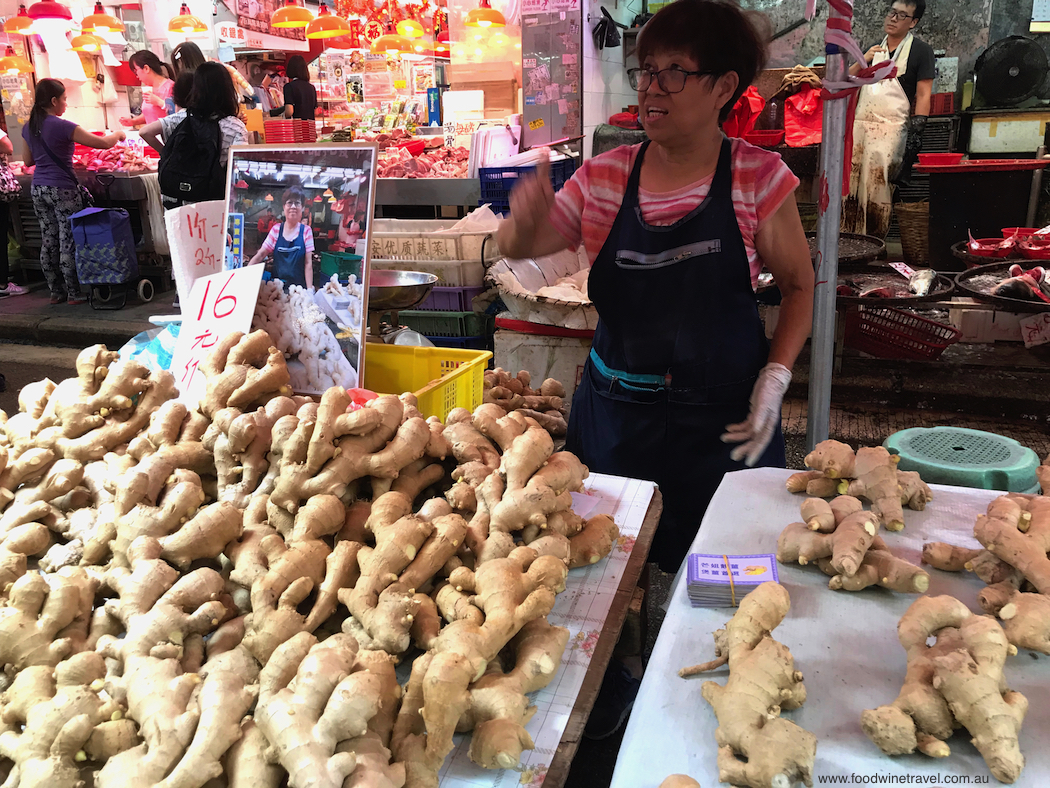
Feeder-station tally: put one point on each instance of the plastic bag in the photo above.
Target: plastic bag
(744, 115)
(803, 118)
(152, 348)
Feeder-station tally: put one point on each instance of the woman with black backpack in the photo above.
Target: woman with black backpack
(195, 143)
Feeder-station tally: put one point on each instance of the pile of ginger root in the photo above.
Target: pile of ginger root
(869, 473)
(218, 594)
(547, 404)
(1015, 538)
(843, 540)
(954, 680)
(756, 746)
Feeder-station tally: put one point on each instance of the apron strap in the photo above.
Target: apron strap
(722, 183)
(631, 192)
(642, 382)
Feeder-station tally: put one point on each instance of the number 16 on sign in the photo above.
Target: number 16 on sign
(219, 305)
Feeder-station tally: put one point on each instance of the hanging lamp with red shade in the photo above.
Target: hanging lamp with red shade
(48, 9)
(99, 22)
(327, 25)
(186, 22)
(12, 64)
(19, 24)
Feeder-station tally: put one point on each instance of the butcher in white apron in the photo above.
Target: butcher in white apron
(887, 135)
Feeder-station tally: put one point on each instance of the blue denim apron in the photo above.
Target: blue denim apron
(289, 258)
(678, 348)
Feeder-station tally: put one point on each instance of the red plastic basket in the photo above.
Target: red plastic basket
(885, 332)
(942, 104)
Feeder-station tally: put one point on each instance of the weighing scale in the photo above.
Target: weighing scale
(390, 292)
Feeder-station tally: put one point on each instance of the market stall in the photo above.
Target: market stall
(845, 645)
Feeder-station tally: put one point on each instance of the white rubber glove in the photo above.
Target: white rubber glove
(766, 398)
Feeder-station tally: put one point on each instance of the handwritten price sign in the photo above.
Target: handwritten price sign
(1035, 330)
(197, 239)
(218, 305)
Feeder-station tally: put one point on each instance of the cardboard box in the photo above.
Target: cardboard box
(561, 358)
(986, 325)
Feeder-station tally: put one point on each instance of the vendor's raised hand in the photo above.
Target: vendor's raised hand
(531, 199)
(870, 54)
(755, 434)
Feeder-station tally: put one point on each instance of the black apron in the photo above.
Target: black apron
(289, 258)
(678, 348)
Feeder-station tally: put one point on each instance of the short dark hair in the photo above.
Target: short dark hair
(715, 33)
(213, 94)
(296, 68)
(183, 89)
(294, 193)
(920, 7)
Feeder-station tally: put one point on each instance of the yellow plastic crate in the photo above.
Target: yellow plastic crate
(442, 378)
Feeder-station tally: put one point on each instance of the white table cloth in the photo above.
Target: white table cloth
(844, 643)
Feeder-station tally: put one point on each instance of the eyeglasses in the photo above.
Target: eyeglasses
(670, 80)
(293, 204)
(894, 14)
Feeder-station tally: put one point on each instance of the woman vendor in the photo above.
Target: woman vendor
(291, 242)
(681, 385)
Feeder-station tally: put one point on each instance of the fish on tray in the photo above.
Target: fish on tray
(922, 281)
(1031, 285)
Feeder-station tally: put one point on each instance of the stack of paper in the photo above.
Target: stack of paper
(723, 580)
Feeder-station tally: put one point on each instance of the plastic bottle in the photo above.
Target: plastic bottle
(775, 117)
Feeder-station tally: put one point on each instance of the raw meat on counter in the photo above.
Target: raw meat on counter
(120, 158)
(440, 163)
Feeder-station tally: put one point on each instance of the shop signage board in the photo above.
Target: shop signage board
(254, 16)
(218, 305)
(1035, 330)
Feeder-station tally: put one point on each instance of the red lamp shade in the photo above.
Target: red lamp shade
(241, 184)
(12, 64)
(48, 9)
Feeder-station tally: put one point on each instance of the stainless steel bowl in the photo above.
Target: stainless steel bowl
(393, 290)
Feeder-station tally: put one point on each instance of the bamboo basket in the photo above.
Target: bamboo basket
(913, 218)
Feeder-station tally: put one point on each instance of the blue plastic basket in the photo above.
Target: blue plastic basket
(496, 182)
(966, 458)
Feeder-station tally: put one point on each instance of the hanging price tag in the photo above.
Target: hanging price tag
(903, 269)
(218, 305)
(1035, 330)
(536, 124)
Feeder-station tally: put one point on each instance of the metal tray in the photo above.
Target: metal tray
(960, 250)
(962, 282)
(855, 250)
(942, 288)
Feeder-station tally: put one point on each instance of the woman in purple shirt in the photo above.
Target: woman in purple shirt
(49, 142)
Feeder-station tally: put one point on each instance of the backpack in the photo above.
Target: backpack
(189, 168)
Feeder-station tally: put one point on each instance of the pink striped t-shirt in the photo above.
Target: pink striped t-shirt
(586, 207)
(277, 233)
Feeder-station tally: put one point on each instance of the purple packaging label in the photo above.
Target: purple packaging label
(746, 569)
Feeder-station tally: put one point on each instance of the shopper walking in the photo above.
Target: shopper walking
(157, 80)
(300, 97)
(49, 142)
(7, 287)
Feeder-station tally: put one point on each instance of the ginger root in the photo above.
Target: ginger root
(756, 746)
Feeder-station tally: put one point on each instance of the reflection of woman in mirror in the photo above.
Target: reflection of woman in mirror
(291, 242)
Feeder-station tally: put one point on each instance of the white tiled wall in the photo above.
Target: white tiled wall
(605, 88)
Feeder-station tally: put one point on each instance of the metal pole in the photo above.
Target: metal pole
(822, 345)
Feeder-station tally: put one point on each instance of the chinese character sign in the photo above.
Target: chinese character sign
(197, 242)
(218, 305)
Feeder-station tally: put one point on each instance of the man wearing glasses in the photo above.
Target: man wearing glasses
(890, 119)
